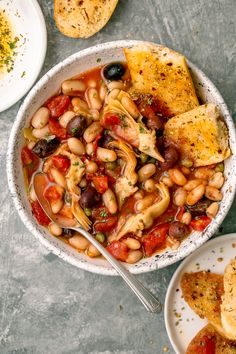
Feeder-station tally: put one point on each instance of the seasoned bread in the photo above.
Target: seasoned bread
(164, 74)
(202, 291)
(82, 18)
(228, 306)
(201, 134)
(209, 341)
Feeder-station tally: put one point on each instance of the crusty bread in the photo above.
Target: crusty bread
(201, 135)
(208, 333)
(164, 74)
(82, 18)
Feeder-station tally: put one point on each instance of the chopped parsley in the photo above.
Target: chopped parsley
(123, 120)
(98, 60)
(149, 101)
(142, 130)
(103, 214)
(76, 164)
(74, 131)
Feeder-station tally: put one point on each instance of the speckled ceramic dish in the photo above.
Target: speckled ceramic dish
(46, 87)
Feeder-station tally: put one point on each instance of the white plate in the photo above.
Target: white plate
(28, 24)
(182, 324)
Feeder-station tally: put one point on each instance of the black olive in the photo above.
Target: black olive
(76, 126)
(200, 207)
(105, 140)
(171, 157)
(178, 230)
(89, 198)
(44, 148)
(114, 71)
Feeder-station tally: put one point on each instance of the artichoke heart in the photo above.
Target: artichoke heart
(134, 132)
(138, 222)
(125, 184)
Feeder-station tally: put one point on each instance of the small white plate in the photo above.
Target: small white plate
(28, 25)
(182, 324)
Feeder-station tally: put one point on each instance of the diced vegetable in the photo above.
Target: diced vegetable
(119, 250)
(39, 214)
(100, 183)
(155, 239)
(57, 105)
(200, 223)
(62, 163)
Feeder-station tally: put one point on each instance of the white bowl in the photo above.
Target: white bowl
(46, 87)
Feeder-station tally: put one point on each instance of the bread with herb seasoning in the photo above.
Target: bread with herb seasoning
(84, 18)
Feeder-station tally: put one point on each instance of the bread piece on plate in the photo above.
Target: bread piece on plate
(201, 135)
(228, 306)
(164, 74)
(82, 18)
(207, 340)
(202, 291)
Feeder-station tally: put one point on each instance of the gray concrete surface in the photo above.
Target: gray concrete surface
(48, 306)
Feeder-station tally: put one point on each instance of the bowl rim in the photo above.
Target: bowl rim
(15, 195)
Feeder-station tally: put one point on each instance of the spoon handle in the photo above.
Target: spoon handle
(151, 303)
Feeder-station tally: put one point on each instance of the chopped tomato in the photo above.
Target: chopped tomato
(111, 119)
(155, 239)
(56, 129)
(62, 163)
(26, 156)
(58, 105)
(205, 345)
(168, 216)
(95, 144)
(104, 221)
(128, 207)
(119, 250)
(180, 213)
(52, 193)
(200, 223)
(39, 214)
(100, 183)
(30, 161)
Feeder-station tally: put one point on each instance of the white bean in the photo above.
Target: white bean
(213, 193)
(139, 195)
(31, 144)
(95, 114)
(41, 133)
(91, 167)
(66, 117)
(115, 85)
(149, 185)
(177, 177)
(179, 197)
(204, 172)
(130, 106)
(83, 182)
(32, 194)
(93, 99)
(103, 91)
(186, 218)
(193, 183)
(40, 118)
(167, 181)
(79, 104)
(109, 200)
(134, 256)
(145, 202)
(195, 195)
(92, 131)
(106, 155)
(54, 229)
(146, 172)
(71, 86)
(79, 242)
(132, 243)
(56, 206)
(212, 210)
(217, 180)
(92, 83)
(89, 148)
(76, 146)
(58, 177)
(112, 95)
(93, 252)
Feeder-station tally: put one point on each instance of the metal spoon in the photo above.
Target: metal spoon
(151, 303)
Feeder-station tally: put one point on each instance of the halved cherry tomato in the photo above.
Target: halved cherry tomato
(119, 250)
(155, 239)
(111, 119)
(26, 156)
(100, 183)
(58, 105)
(206, 345)
(104, 221)
(39, 214)
(62, 163)
(56, 129)
(200, 223)
(52, 194)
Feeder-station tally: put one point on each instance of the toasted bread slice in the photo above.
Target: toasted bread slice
(84, 18)
(228, 306)
(209, 341)
(202, 291)
(164, 74)
(201, 135)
